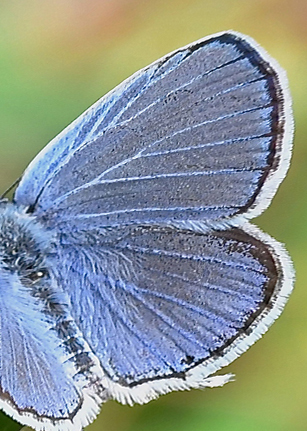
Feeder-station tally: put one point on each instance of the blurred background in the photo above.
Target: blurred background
(57, 58)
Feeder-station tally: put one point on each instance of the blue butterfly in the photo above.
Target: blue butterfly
(129, 268)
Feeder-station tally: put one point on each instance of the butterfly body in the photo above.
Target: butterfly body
(129, 267)
(35, 307)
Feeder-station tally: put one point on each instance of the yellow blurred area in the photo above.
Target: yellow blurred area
(58, 57)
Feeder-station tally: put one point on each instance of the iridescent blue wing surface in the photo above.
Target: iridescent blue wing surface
(202, 134)
(29, 347)
(163, 308)
(145, 200)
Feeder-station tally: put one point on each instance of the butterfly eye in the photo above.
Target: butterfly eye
(36, 276)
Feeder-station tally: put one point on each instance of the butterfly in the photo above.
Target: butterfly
(128, 265)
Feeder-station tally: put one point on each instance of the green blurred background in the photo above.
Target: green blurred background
(57, 58)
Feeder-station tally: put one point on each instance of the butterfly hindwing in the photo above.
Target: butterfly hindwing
(37, 384)
(155, 303)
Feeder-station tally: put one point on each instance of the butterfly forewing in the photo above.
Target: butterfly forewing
(192, 137)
